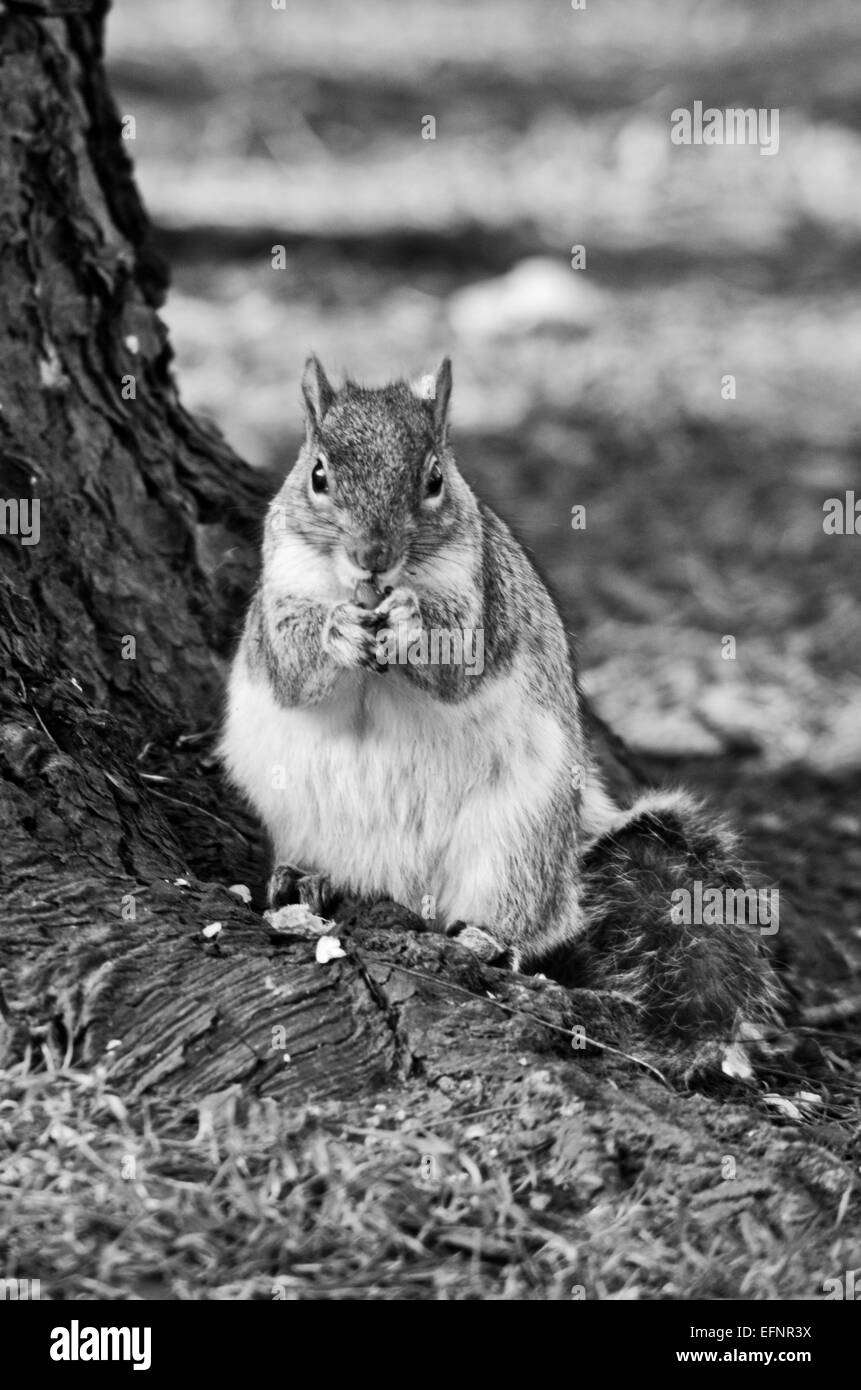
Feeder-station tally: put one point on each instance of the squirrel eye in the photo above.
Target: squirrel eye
(433, 484)
(319, 477)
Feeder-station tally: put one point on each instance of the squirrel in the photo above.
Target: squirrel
(404, 715)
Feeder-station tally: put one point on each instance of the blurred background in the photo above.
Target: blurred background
(599, 386)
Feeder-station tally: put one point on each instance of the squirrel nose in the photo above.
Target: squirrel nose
(374, 555)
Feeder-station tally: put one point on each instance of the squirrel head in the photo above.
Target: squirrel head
(375, 488)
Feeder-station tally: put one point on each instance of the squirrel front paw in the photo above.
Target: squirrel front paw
(399, 618)
(349, 635)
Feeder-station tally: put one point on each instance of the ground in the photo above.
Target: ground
(537, 1172)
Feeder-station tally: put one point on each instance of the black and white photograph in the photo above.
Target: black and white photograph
(430, 668)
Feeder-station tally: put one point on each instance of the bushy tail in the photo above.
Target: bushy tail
(692, 978)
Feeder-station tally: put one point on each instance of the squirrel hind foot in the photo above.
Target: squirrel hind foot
(282, 890)
(289, 884)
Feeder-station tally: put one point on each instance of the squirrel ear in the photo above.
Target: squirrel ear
(317, 391)
(435, 388)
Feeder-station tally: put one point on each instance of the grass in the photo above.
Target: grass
(406, 1196)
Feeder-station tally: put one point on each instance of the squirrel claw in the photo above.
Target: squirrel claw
(477, 940)
(281, 889)
(317, 893)
(399, 605)
(289, 884)
(399, 615)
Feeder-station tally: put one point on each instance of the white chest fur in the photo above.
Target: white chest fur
(395, 794)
